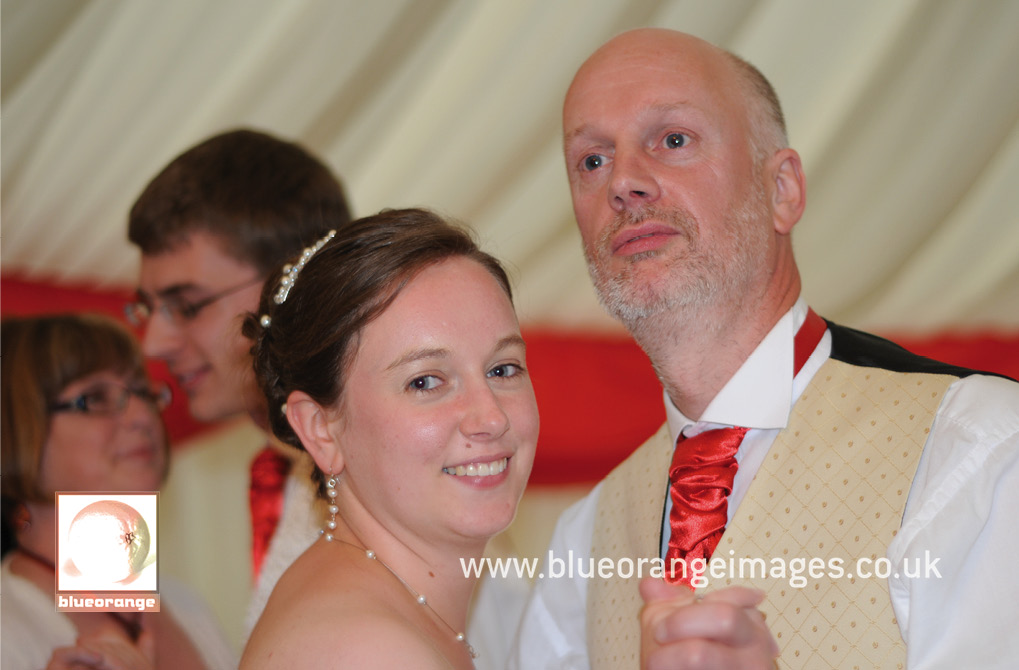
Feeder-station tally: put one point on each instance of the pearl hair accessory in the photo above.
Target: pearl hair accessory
(327, 533)
(290, 272)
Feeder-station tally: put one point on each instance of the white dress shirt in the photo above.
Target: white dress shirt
(960, 511)
(301, 517)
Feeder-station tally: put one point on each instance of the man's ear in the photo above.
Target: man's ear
(311, 422)
(790, 195)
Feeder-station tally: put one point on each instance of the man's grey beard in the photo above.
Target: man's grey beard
(693, 280)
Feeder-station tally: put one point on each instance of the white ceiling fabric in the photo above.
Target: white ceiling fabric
(906, 114)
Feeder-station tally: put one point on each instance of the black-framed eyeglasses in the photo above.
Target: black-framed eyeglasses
(109, 398)
(179, 312)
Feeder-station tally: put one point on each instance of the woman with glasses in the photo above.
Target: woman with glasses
(79, 414)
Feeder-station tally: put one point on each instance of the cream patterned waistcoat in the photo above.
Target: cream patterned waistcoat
(833, 486)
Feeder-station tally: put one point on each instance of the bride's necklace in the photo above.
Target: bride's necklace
(419, 597)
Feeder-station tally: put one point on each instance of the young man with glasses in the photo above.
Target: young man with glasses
(211, 226)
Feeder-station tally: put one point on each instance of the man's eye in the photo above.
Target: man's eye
(675, 140)
(593, 162)
(425, 383)
(187, 310)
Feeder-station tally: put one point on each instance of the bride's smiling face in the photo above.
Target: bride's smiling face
(438, 423)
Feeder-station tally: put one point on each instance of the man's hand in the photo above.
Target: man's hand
(724, 629)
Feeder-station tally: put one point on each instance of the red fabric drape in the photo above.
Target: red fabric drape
(598, 397)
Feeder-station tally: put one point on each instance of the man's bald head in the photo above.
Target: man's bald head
(667, 49)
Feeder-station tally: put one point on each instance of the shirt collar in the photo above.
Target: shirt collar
(759, 395)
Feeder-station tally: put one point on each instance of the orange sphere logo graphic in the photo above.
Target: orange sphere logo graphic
(108, 540)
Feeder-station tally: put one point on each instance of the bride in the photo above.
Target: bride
(391, 352)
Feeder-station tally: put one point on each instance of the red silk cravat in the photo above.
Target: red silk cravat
(269, 473)
(701, 476)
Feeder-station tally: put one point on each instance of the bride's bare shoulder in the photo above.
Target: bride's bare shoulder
(371, 640)
(336, 614)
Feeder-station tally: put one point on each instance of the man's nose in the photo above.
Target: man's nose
(162, 337)
(633, 183)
